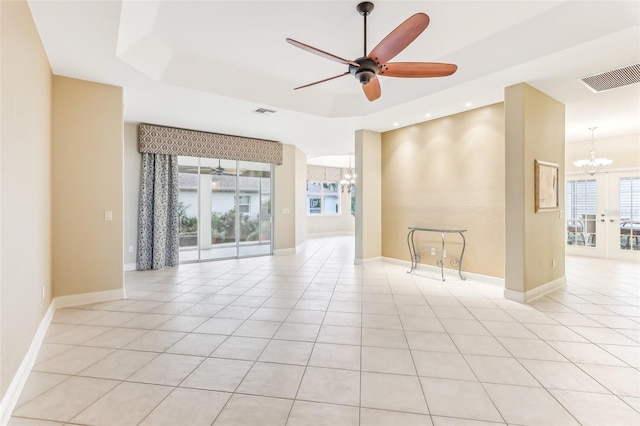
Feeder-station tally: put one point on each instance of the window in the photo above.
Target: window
(244, 204)
(581, 212)
(323, 198)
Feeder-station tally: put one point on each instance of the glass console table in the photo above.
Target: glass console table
(415, 256)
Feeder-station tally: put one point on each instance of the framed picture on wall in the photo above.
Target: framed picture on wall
(546, 186)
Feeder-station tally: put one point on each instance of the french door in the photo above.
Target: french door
(224, 209)
(602, 215)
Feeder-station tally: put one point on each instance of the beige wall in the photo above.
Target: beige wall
(368, 237)
(623, 150)
(87, 181)
(534, 124)
(447, 173)
(132, 168)
(289, 217)
(25, 176)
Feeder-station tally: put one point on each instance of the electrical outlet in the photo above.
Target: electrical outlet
(433, 251)
(553, 263)
(444, 253)
(130, 249)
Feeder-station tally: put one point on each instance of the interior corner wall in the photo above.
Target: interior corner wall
(447, 173)
(132, 170)
(300, 183)
(87, 181)
(332, 224)
(25, 176)
(535, 130)
(368, 237)
(289, 216)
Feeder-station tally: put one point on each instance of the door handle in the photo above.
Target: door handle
(611, 220)
(601, 220)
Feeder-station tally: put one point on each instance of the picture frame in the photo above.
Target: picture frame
(546, 186)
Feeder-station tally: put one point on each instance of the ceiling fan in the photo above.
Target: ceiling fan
(367, 68)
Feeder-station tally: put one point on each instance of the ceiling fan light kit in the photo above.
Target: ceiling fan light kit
(367, 68)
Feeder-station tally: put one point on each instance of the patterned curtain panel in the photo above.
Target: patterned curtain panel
(158, 212)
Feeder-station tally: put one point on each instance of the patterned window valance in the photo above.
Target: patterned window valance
(169, 140)
(324, 174)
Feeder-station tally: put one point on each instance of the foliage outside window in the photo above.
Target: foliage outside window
(323, 198)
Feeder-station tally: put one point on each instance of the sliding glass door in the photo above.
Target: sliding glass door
(225, 209)
(254, 208)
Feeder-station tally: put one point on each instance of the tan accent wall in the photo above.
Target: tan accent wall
(623, 150)
(368, 195)
(447, 173)
(534, 124)
(25, 176)
(289, 217)
(87, 181)
(132, 170)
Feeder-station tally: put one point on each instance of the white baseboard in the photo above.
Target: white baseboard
(88, 298)
(448, 272)
(129, 267)
(281, 252)
(528, 296)
(357, 261)
(330, 234)
(292, 250)
(14, 390)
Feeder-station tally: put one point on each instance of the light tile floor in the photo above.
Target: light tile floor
(311, 339)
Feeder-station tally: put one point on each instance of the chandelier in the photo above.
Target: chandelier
(348, 181)
(593, 165)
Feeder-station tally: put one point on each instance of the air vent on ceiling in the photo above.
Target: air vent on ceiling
(264, 111)
(611, 79)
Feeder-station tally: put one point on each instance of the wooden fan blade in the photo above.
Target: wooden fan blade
(417, 69)
(372, 89)
(322, 53)
(321, 81)
(399, 38)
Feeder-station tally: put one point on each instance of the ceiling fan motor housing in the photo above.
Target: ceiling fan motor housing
(366, 71)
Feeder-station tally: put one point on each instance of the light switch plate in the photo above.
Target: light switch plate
(108, 215)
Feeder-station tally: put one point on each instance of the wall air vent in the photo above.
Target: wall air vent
(264, 111)
(611, 79)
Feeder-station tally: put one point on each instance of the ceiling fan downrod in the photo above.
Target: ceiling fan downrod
(365, 9)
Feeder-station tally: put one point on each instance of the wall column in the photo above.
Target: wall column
(368, 196)
(534, 251)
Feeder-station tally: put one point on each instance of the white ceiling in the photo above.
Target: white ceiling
(207, 65)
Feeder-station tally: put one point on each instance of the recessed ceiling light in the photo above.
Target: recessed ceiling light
(395, 124)
(427, 115)
(468, 104)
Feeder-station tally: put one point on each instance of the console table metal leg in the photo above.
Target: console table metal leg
(464, 244)
(412, 251)
(442, 253)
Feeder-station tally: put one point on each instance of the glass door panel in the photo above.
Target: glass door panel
(629, 227)
(585, 207)
(188, 208)
(218, 190)
(623, 218)
(254, 208)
